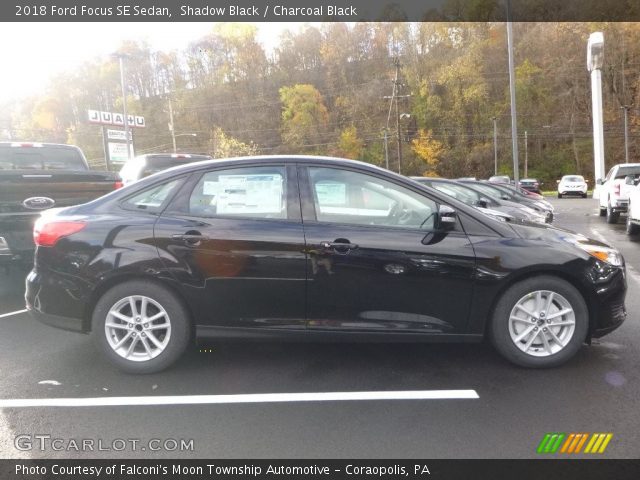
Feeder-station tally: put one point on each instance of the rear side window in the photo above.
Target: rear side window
(152, 198)
(252, 192)
(40, 158)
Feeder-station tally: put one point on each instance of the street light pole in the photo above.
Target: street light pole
(495, 145)
(512, 90)
(626, 109)
(124, 104)
(526, 154)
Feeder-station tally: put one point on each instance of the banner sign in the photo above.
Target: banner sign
(110, 118)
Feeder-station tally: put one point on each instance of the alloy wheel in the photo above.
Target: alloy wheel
(138, 328)
(542, 323)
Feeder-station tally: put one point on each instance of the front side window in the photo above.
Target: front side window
(253, 192)
(343, 196)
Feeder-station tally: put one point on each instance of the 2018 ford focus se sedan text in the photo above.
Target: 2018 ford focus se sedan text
(313, 248)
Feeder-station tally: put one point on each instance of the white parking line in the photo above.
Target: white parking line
(242, 398)
(12, 313)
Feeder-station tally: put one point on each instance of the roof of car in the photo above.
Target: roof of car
(41, 144)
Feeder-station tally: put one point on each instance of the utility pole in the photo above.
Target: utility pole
(495, 145)
(512, 90)
(386, 148)
(394, 99)
(626, 109)
(172, 126)
(526, 154)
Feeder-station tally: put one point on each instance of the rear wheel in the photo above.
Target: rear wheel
(540, 322)
(141, 327)
(632, 228)
(612, 217)
(602, 211)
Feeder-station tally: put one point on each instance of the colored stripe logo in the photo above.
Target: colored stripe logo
(574, 443)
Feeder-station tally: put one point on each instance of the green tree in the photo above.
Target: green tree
(304, 116)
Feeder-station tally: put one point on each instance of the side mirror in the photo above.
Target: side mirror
(447, 217)
(629, 180)
(558, 182)
(482, 203)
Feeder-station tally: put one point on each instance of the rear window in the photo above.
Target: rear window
(624, 171)
(40, 158)
(574, 179)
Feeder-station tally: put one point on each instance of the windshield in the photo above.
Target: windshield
(458, 192)
(40, 158)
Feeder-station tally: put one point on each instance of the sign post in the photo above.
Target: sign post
(595, 60)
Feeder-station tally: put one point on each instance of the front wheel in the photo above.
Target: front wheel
(540, 322)
(141, 327)
(559, 195)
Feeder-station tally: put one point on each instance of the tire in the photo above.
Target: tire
(559, 195)
(146, 356)
(612, 217)
(602, 212)
(632, 228)
(504, 332)
(584, 195)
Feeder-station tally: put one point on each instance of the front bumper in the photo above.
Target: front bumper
(619, 204)
(610, 311)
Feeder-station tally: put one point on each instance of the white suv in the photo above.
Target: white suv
(614, 190)
(572, 185)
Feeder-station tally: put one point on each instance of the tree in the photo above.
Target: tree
(304, 116)
(350, 145)
(429, 150)
(225, 146)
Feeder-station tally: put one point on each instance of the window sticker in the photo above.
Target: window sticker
(244, 194)
(331, 193)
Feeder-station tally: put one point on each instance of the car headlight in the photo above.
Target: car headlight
(605, 254)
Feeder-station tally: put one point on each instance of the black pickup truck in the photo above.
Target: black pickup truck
(38, 176)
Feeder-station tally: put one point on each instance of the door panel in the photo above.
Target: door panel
(382, 277)
(241, 259)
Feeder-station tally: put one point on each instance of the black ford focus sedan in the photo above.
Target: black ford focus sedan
(313, 248)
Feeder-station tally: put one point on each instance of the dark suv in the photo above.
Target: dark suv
(145, 165)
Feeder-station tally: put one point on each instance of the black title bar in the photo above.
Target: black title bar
(319, 469)
(319, 10)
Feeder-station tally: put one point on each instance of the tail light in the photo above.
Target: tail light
(118, 185)
(46, 232)
(616, 189)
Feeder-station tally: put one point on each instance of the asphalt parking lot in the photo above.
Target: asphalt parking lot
(598, 391)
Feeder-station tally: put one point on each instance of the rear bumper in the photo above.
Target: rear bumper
(619, 204)
(55, 302)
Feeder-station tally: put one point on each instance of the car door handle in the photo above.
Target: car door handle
(339, 246)
(191, 238)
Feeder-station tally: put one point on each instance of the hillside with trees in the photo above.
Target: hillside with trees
(326, 91)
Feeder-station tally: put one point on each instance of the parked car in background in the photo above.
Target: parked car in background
(507, 211)
(633, 210)
(35, 177)
(614, 190)
(500, 179)
(308, 247)
(503, 192)
(530, 184)
(145, 165)
(572, 185)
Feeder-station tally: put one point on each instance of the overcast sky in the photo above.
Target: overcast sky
(33, 52)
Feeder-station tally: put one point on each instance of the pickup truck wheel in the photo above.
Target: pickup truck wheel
(632, 228)
(141, 327)
(540, 322)
(612, 217)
